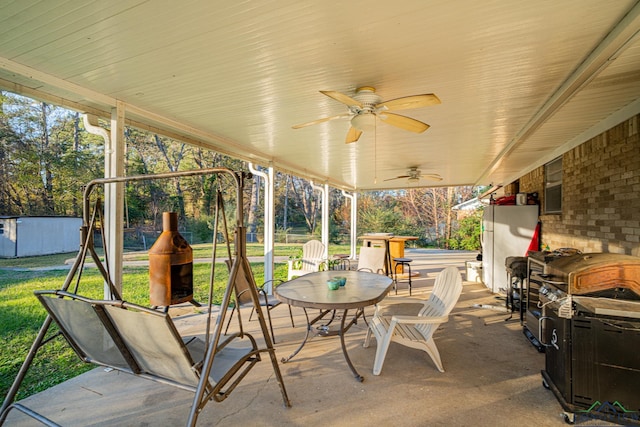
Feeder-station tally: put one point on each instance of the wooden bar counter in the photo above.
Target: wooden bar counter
(394, 245)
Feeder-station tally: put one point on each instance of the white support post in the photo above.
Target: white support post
(269, 224)
(354, 222)
(324, 220)
(114, 196)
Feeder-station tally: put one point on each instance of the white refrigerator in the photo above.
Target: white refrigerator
(506, 231)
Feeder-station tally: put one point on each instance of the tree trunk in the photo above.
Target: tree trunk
(285, 220)
(434, 215)
(45, 164)
(254, 204)
(306, 200)
(77, 209)
(448, 213)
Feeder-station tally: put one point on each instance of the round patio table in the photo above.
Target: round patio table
(362, 289)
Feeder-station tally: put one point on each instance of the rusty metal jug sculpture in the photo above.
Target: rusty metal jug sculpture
(170, 265)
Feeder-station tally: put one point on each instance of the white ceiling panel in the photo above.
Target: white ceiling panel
(518, 81)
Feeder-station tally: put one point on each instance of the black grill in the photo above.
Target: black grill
(588, 318)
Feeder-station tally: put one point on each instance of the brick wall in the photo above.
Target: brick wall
(600, 194)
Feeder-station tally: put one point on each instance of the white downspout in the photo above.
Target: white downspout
(114, 192)
(324, 191)
(354, 222)
(269, 224)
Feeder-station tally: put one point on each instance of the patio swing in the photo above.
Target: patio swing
(144, 341)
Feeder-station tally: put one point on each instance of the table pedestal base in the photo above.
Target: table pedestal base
(325, 331)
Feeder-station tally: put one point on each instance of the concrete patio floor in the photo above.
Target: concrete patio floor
(492, 376)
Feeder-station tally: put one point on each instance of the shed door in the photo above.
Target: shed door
(7, 241)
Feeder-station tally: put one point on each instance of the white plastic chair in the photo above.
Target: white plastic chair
(372, 259)
(312, 259)
(415, 331)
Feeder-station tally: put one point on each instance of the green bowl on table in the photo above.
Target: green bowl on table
(342, 280)
(333, 284)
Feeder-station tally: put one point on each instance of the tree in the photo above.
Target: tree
(306, 201)
(173, 154)
(10, 200)
(430, 210)
(205, 186)
(41, 145)
(467, 235)
(376, 213)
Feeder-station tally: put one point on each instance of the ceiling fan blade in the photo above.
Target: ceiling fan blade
(432, 177)
(341, 97)
(407, 102)
(325, 119)
(403, 122)
(353, 135)
(397, 177)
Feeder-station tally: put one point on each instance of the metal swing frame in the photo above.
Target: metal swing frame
(215, 341)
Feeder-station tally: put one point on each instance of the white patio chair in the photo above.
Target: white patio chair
(415, 331)
(372, 259)
(312, 260)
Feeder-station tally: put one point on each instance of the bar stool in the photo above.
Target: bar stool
(402, 262)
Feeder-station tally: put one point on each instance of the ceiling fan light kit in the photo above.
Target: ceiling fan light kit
(364, 122)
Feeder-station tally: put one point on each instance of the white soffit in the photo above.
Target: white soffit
(519, 82)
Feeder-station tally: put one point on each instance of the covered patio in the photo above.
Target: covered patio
(492, 376)
(519, 84)
(485, 93)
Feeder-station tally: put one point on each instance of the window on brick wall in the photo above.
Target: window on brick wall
(553, 186)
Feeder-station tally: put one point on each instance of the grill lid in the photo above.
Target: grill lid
(597, 272)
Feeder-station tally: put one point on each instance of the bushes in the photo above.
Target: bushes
(467, 235)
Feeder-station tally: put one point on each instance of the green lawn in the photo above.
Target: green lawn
(21, 315)
(199, 251)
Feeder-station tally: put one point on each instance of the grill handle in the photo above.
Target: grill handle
(540, 337)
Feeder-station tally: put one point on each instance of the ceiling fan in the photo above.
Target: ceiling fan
(365, 106)
(414, 174)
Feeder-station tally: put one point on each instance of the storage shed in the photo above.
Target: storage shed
(38, 235)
